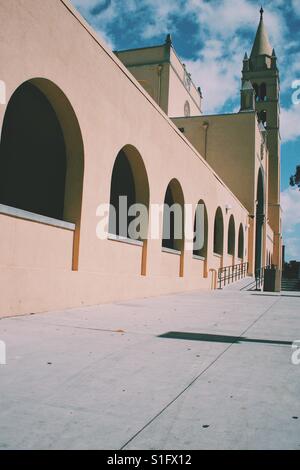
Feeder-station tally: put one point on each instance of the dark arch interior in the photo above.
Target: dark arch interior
(122, 184)
(169, 242)
(231, 236)
(198, 226)
(173, 219)
(32, 155)
(241, 243)
(256, 89)
(262, 117)
(263, 92)
(260, 92)
(219, 233)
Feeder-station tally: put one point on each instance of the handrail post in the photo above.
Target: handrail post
(234, 272)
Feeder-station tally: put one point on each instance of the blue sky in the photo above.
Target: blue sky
(211, 37)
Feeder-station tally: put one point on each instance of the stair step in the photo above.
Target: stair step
(290, 285)
(291, 288)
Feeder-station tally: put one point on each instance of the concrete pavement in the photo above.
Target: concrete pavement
(159, 373)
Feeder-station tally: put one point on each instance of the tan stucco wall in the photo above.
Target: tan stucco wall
(41, 246)
(150, 67)
(161, 73)
(178, 91)
(155, 80)
(181, 70)
(178, 95)
(49, 40)
(232, 145)
(270, 242)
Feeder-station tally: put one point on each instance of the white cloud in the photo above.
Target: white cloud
(106, 16)
(290, 123)
(218, 68)
(292, 248)
(296, 7)
(218, 71)
(224, 18)
(290, 201)
(223, 38)
(219, 82)
(161, 16)
(86, 5)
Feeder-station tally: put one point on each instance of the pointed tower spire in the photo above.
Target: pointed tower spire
(261, 13)
(265, 100)
(246, 64)
(261, 46)
(274, 60)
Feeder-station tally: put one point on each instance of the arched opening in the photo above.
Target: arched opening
(129, 187)
(219, 232)
(201, 234)
(129, 199)
(173, 220)
(42, 155)
(263, 92)
(231, 236)
(33, 159)
(256, 89)
(262, 117)
(260, 218)
(241, 244)
(201, 230)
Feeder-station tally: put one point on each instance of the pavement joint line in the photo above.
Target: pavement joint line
(102, 330)
(198, 376)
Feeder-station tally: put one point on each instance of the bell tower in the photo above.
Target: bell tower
(261, 70)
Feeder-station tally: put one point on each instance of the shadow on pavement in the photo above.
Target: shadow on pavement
(220, 338)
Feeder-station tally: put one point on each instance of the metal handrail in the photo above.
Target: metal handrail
(230, 274)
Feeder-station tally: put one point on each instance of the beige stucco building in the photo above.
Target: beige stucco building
(82, 126)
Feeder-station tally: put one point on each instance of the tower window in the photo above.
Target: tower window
(255, 86)
(262, 117)
(260, 92)
(263, 92)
